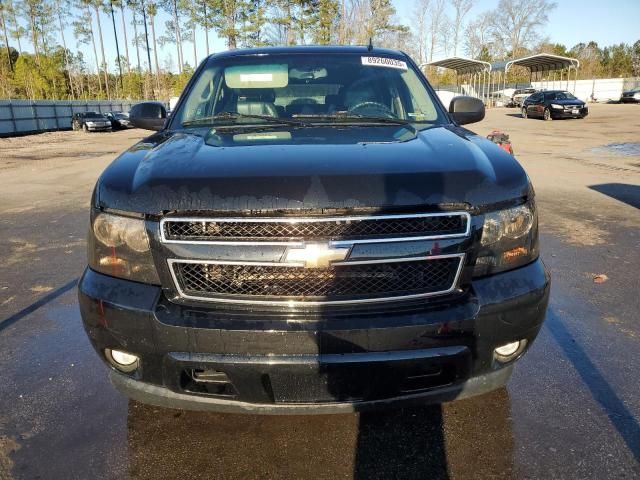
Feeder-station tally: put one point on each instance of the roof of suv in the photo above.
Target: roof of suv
(317, 49)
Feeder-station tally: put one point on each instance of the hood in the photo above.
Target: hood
(311, 168)
(575, 101)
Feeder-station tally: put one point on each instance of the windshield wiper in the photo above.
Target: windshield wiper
(236, 115)
(350, 117)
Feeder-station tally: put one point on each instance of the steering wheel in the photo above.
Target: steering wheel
(378, 107)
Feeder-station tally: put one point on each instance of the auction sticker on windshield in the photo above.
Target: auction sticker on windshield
(384, 62)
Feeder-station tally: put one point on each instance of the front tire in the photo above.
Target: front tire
(547, 114)
(524, 112)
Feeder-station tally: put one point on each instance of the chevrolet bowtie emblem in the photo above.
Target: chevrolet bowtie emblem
(316, 255)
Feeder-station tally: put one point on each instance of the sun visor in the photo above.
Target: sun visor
(257, 76)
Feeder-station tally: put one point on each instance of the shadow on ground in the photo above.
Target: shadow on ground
(623, 192)
(614, 407)
(464, 439)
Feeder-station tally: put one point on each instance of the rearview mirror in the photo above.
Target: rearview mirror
(148, 115)
(466, 110)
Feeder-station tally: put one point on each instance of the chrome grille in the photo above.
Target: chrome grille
(346, 282)
(369, 228)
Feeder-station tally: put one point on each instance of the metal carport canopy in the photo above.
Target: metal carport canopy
(461, 65)
(539, 63)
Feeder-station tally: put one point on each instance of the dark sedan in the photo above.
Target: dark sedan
(119, 120)
(631, 96)
(90, 122)
(554, 104)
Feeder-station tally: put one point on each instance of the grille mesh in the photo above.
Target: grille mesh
(308, 284)
(209, 230)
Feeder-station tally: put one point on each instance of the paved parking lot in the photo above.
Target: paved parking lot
(571, 410)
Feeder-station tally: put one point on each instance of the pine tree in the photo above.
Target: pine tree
(120, 4)
(134, 7)
(174, 33)
(33, 10)
(83, 31)
(5, 32)
(152, 11)
(325, 21)
(16, 31)
(63, 6)
(225, 17)
(253, 20)
(97, 5)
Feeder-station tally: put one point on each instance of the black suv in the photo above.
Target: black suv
(311, 231)
(554, 104)
(90, 122)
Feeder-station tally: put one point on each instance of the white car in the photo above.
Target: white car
(519, 96)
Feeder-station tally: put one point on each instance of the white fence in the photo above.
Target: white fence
(597, 90)
(26, 116)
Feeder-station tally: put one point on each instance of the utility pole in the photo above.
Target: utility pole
(115, 35)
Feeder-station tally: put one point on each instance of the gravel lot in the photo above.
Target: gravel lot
(571, 410)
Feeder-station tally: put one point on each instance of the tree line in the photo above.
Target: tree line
(53, 67)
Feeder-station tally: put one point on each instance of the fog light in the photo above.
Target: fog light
(123, 361)
(508, 351)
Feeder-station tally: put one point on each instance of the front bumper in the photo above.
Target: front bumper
(333, 361)
(582, 112)
(95, 128)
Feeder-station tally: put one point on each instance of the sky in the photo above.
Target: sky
(605, 21)
(572, 22)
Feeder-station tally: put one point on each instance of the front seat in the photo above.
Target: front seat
(257, 102)
(360, 92)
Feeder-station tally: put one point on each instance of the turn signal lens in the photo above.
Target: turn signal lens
(514, 254)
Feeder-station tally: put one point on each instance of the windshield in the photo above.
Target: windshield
(93, 115)
(309, 88)
(564, 96)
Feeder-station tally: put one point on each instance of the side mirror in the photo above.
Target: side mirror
(148, 115)
(466, 110)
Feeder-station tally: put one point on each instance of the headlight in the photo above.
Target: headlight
(556, 106)
(90, 124)
(509, 239)
(119, 246)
